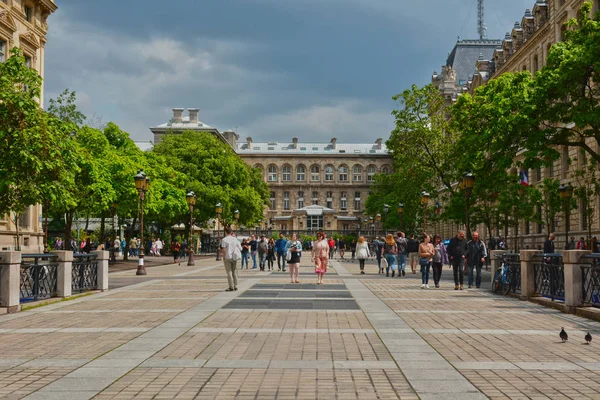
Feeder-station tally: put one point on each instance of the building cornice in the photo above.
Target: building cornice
(523, 50)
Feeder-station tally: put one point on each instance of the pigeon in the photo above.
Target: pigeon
(563, 335)
(588, 338)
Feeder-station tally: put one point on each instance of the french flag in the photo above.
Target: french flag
(438, 208)
(524, 178)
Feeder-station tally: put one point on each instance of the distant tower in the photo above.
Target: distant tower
(481, 29)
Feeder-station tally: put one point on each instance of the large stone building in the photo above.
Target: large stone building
(23, 24)
(526, 48)
(313, 185)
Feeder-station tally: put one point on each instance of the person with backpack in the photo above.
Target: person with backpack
(262, 252)
(342, 248)
(402, 245)
(389, 252)
(413, 253)
(280, 249)
(232, 252)
(378, 250)
(458, 251)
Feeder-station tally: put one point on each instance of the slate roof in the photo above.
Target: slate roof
(310, 148)
(464, 56)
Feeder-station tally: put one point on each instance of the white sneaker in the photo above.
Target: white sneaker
(427, 286)
(423, 286)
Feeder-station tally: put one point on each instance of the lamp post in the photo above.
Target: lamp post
(566, 193)
(113, 253)
(142, 184)
(386, 209)
(401, 214)
(219, 211)
(191, 200)
(468, 181)
(236, 215)
(425, 201)
(378, 220)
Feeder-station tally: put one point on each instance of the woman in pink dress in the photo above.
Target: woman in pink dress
(320, 256)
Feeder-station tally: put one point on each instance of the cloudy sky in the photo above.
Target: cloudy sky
(273, 69)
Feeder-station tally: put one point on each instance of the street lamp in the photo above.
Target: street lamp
(425, 201)
(401, 214)
(386, 209)
(566, 193)
(468, 181)
(236, 215)
(219, 211)
(191, 200)
(142, 184)
(113, 253)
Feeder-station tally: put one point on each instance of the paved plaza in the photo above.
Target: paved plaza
(176, 334)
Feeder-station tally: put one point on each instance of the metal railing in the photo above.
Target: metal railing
(84, 273)
(590, 281)
(39, 277)
(549, 276)
(513, 261)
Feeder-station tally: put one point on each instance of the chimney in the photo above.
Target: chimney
(249, 142)
(231, 138)
(295, 142)
(193, 115)
(177, 114)
(333, 142)
(379, 141)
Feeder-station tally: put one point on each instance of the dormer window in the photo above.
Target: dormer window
(28, 13)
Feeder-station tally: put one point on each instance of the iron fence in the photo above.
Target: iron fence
(549, 276)
(513, 261)
(84, 274)
(39, 277)
(590, 281)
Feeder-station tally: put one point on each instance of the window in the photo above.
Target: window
(343, 174)
(286, 173)
(273, 201)
(356, 201)
(314, 222)
(357, 173)
(540, 227)
(272, 173)
(24, 219)
(329, 173)
(315, 198)
(28, 61)
(301, 173)
(300, 199)
(346, 226)
(28, 13)
(385, 169)
(343, 202)
(538, 174)
(564, 162)
(536, 64)
(371, 171)
(286, 201)
(315, 173)
(2, 50)
(329, 200)
(583, 214)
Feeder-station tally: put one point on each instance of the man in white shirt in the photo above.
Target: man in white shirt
(159, 246)
(232, 253)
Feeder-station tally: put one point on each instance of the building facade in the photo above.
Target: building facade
(23, 24)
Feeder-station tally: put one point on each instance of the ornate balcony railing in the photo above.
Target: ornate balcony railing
(39, 277)
(549, 276)
(84, 273)
(590, 281)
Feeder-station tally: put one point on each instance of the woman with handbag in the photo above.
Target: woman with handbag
(320, 256)
(389, 253)
(270, 253)
(293, 258)
(426, 253)
(439, 259)
(362, 253)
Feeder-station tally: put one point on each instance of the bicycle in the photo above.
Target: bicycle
(502, 278)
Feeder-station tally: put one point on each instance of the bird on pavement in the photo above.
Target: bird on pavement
(563, 335)
(588, 338)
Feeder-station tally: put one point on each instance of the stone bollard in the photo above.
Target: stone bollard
(573, 260)
(10, 280)
(102, 257)
(496, 261)
(527, 275)
(65, 272)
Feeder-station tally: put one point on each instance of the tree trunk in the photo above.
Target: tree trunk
(17, 217)
(128, 235)
(102, 215)
(87, 221)
(68, 229)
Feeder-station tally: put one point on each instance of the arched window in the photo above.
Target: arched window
(261, 169)
(343, 174)
(385, 169)
(371, 171)
(357, 173)
(536, 64)
(301, 173)
(315, 173)
(272, 173)
(329, 173)
(286, 173)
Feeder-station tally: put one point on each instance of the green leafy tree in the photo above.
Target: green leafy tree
(587, 191)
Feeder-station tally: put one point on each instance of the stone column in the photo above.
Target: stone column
(65, 275)
(102, 257)
(527, 276)
(573, 260)
(10, 280)
(496, 261)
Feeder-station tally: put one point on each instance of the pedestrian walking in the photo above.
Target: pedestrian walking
(378, 249)
(280, 250)
(439, 259)
(245, 253)
(175, 247)
(353, 249)
(426, 253)
(331, 244)
(389, 253)
(362, 253)
(253, 247)
(581, 244)
(475, 259)
(262, 252)
(342, 248)
(402, 245)
(413, 253)
(270, 253)
(232, 252)
(457, 252)
(295, 252)
(320, 256)
(159, 247)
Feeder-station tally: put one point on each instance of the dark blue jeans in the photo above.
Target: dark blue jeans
(425, 273)
(477, 268)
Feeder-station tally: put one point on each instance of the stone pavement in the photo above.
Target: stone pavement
(176, 334)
